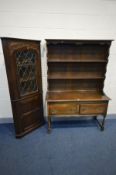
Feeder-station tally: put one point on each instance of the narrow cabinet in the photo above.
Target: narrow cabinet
(23, 67)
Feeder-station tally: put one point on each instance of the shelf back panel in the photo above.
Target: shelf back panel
(61, 85)
(77, 52)
(97, 69)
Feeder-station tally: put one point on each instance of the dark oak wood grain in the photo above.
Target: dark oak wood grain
(23, 67)
(76, 74)
(76, 96)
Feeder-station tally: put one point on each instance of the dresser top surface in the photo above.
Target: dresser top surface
(76, 96)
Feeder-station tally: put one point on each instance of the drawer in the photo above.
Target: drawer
(62, 108)
(93, 108)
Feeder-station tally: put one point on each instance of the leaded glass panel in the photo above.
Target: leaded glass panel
(26, 64)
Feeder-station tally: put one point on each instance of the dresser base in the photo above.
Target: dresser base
(101, 124)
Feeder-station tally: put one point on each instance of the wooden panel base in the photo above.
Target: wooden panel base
(33, 127)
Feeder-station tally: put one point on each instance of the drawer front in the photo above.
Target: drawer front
(63, 108)
(93, 108)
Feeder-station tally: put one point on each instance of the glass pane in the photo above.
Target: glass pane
(26, 64)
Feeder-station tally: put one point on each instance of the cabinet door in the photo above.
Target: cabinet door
(23, 67)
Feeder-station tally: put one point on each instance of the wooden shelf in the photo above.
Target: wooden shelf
(75, 96)
(74, 60)
(73, 66)
(75, 75)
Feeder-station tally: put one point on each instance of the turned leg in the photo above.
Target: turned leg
(49, 124)
(101, 124)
